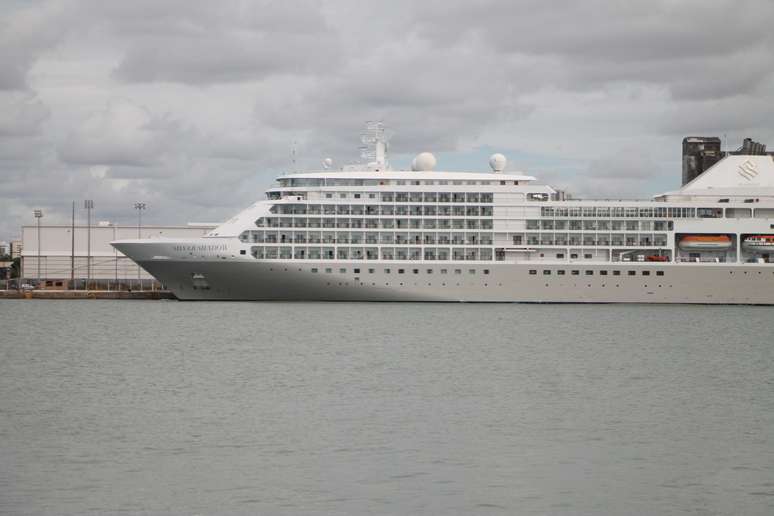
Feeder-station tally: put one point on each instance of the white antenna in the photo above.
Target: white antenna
(374, 149)
(293, 155)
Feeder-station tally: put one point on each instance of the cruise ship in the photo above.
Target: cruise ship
(370, 233)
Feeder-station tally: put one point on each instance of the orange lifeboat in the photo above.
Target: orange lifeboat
(705, 243)
(763, 243)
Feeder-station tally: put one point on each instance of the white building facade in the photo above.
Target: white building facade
(86, 254)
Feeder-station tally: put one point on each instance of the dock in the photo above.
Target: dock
(86, 294)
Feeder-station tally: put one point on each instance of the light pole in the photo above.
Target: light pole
(140, 207)
(38, 215)
(72, 250)
(88, 204)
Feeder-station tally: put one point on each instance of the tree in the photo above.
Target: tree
(16, 268)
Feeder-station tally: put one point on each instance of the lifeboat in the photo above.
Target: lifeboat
(705, 243)
(764, 243)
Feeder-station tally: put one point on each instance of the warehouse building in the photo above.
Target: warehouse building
(75, 259)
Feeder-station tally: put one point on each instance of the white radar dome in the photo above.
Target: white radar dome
(497, 161)
(423, 162)
(327, 163)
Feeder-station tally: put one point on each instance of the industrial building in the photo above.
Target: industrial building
(63, 256)
(16, 249)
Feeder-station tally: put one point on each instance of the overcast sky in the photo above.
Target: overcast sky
(193, 106)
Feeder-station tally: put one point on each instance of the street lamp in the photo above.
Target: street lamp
(38, 215)
(88, 205)
(140, 207)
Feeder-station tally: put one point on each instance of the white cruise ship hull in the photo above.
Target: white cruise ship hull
(228, 276)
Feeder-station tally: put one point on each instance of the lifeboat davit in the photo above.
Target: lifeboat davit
(705, 243)
(763, 243)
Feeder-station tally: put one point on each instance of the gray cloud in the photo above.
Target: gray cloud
(122, 133)
(193, 106)
(21, 114)
(688, 46)
(234, 42)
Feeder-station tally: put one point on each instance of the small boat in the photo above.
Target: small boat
(705, 243)
(764, 243)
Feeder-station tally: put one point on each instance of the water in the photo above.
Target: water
(310, 408)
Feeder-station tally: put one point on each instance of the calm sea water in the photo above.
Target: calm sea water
(345, 408)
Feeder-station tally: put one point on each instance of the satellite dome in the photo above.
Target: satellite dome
(497, 161)
(423, 162)
(327, 163)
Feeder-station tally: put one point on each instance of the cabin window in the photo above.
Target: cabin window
(560, 273)
(589, 273)
(575, 273)
(533, 271)
(546, 272)
(616, 273)
(659, 273)
(632, 273)
(646, 273)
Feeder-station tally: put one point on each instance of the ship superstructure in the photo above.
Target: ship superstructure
(368, 232)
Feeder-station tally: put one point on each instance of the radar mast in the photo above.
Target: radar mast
(375, 144)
